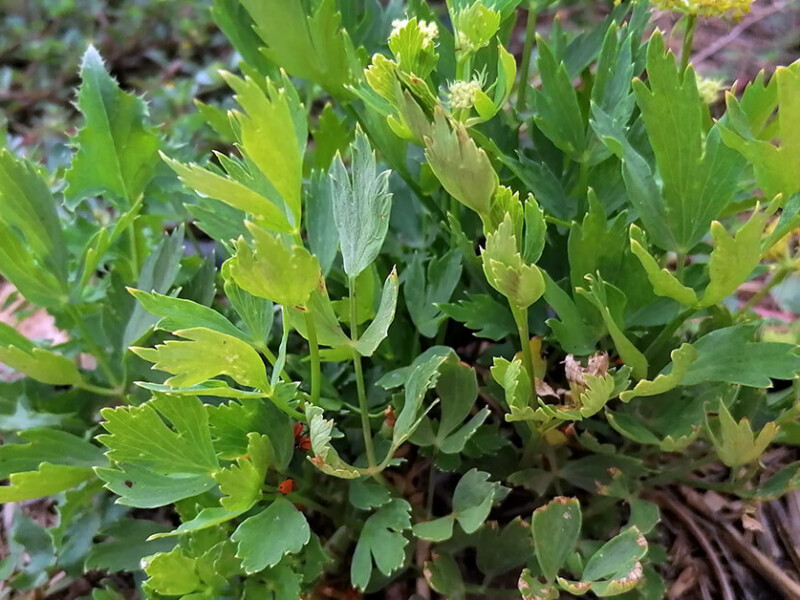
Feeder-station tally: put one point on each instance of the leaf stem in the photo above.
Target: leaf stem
(362, 394)
(521, 318)
(100, 391)
(313, 347)
(525, 67)
(688, 39)
(98, 353)
(778, 278)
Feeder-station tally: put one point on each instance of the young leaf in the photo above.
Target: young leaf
(382, 542)
(47, 479)
(267, 537)
(241, 482)
(284, 275)
(681, 359)
(663, 281)
(325, 458)
(556, 527)
(735, 443)
(117, 149)
(463, 169)
(272, 137)
(506, 271)
(361, 206)
(207, 354)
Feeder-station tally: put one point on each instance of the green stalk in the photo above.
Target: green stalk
(98, 353)
(521, 318)
(782, 274)
(362, 394)
(313, 347)
(688, 39)
(525, 67)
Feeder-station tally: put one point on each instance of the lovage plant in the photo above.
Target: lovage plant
(472, 322)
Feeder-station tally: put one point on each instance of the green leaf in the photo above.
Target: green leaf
(437, 530)
(284, 275)
(377, 330)
(597, 295)
(748, 128)
(734, 257)
(172, 573)
(482, 313)
(179, 313)
(117, 149)
(473, 499)
(314, 47)
(361, 206)
(616, 555)
(323, 236)
(166, 462)
(19, 353)
(663, 281)
(557, 112)
(517, 386)
(50, 446)
(241, 483)
(126, 544)
(556, 527)
(681, 359)
(501, 549)
(382, 542)
(699, 173)
(532, 589)
(463, 169)
(272, 136)
(46, 480)
(27, 205)
(232, 192)
(207, 354)
(366, 494)
(267, 537)
(425, 289)
(729, 355)
(734, 442)
(157, 275)
(422, 376)
(443, 575)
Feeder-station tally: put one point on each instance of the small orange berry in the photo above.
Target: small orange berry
(286, 486)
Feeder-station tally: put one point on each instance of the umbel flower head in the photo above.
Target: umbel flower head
(706, 8)
(430, 31)
(462, 94)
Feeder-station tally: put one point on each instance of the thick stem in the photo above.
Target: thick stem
(313, 348)
(362, 394)
(525, 67)
(688, 39)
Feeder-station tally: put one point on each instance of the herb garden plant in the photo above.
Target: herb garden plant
(465, 320)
